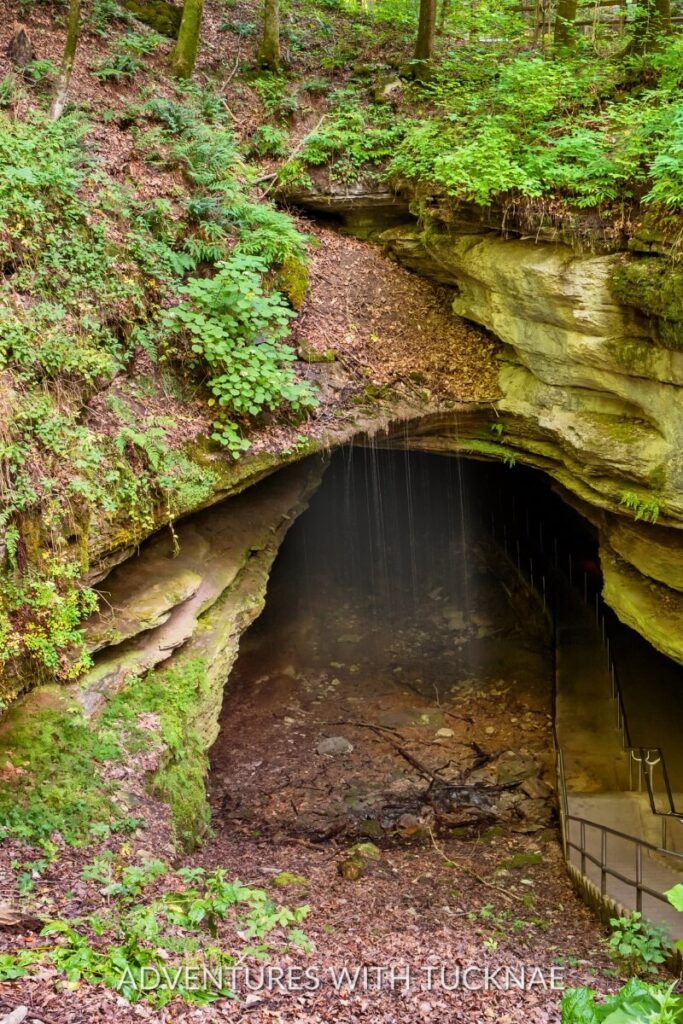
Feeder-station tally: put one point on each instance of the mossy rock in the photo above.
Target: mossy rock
(654, 285)
(351, 868)
(357, 859)
(285, 879)
(366, 850)
(293, 279)
(159, 15)
(311, 355)
(520, 860)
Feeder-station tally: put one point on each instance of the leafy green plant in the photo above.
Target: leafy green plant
(239, 26)
(9, 91)
(237, 328)
(636, 1003)
(510, 124)
(641, 947)
(124, 58)
(55, 606)
(100, 266)
(351, 138)
(42, 73)
(637, 944)
(647, 509)
(181, 927)
(268, 140)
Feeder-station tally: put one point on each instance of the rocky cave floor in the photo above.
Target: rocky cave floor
(413, 722)
(355, 720)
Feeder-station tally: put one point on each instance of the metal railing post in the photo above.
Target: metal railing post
(583, 848)
(639, 877)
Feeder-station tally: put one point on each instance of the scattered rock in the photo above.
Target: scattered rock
(357, 859)
(351, 868)
(539, 811)
(536, 789)
(456, 620)
(513, 766)
(409, 823)
(371, 827)
(366, 850)
(335, 745)
(389, 91)
(445, 733)
(485, 776)
(252, 1001)
(16, 1016)
(20, 48)
(313, 355)
(13, 917)
(506, 805)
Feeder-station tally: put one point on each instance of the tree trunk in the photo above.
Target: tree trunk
(426, 31)
(653, 19)
(73, 31)
(269, 50)
(185, 53)
(444, 11)
(565, 16)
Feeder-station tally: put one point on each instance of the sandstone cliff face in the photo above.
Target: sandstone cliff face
(590, 394)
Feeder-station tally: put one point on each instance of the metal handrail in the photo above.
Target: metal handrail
(586, 856)
(631, 750)
(640, 845)
(566, 818)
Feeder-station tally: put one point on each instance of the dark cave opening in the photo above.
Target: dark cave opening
(431, 572)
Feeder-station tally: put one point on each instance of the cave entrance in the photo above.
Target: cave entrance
(402, 657)
(429, 622)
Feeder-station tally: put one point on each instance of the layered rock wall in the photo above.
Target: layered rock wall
(590, 393)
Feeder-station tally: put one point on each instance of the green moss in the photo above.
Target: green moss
(491, 833)
(653, 285)
(51, 756)
(285, 879)
(159, 15)
(311, 355)
(520, 860)
(635, 356)
(367, 850)
(293, 279)
(176, 695)
(191, 484)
